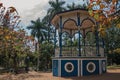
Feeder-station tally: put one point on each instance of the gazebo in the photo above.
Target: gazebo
(79, 51)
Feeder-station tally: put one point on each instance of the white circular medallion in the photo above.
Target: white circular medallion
(91, 67)
(69, 67)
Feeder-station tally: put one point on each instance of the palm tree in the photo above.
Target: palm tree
(50, 29)
(56, 6)
(74, 6)
(38, 30)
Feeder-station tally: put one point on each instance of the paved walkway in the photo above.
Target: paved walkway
(112, 74)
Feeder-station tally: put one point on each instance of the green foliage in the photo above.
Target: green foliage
(47, 51)
(112, 39)
(113, 67)
(113, 59)
(56, 6)
(112, 44)
(75, 6)
(38, 30)
(117, 50)
(75, 42)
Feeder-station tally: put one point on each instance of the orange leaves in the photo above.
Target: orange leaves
(91, 12)
(101, 10)
(107, 1)
(10, 35)
(16, 16)
(90, 6)
(102, 6)
(9, 16)
(91, 1)
(30, 38)
(1, 31)
(102, 31)
(114, 1)
(1, 4)
(118, 25)
(12, 9)
(96, 16)
(6, 16)
(101, 18)
(7, 37)
(98, 2)
(117, 50)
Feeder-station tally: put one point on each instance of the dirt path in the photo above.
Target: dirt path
(112, 74)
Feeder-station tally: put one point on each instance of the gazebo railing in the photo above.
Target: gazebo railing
(67, 52)
(86, 51)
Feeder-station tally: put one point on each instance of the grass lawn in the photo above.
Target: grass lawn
(113, 67)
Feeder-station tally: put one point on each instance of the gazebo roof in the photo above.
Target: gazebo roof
(68, 14)
(71, 11)
(72, 14)
(72, 21)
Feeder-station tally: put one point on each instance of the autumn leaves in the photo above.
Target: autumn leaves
(101, 10)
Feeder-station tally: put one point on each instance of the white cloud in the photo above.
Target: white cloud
(31, 9)
(28, 9)
(38, 10)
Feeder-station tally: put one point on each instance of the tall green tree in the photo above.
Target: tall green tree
(112, 39)
(38, 30)
(74, 6)
(55, 7)
(112, 43)
(50, 29)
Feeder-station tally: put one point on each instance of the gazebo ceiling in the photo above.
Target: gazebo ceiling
(87, 24)
(70, 25)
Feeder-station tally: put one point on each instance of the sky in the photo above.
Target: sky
(31, 9)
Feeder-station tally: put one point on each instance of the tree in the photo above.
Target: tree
(50, 28)
(112, 44)
(56, 6)
(104, 12)
(112, 39)
(47, 51)
(12, 38)
(9, 17)
(74, 6)
(38, 30)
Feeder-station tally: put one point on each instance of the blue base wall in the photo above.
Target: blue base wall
(64, 72)
(85, 63)
(55, 67)
(68, 67)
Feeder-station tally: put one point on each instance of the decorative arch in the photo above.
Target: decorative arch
(87, 19)
(67, 24)
(87, 33)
